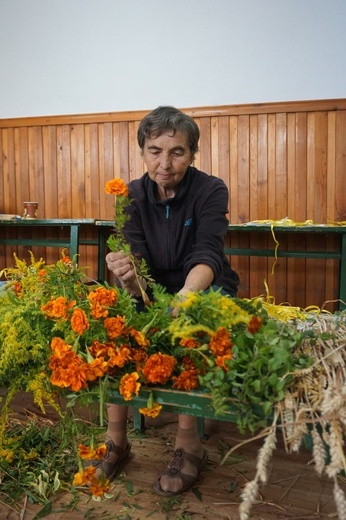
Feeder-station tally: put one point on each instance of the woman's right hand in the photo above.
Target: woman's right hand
(123, 268)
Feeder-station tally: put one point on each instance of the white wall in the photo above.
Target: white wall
(85, 56)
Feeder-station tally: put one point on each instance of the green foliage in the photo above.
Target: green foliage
(260, 373)
(37, 459)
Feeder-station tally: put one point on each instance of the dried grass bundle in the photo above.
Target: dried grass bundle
(314, 406)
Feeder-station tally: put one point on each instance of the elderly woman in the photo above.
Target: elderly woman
(178, 224)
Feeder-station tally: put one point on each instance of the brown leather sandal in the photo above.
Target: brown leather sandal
(111, 468)
(174, 471)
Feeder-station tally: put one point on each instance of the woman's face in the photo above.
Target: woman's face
(167, 158)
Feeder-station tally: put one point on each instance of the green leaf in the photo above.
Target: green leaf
(197, 493)
(44, 511)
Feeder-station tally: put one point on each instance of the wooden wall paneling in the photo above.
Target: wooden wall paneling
(296, 202)
(49, 137)
(340, 167)
(262, 191)
(116, 150)
(281, 166)
(316, 200)
(271, 211)
(136, 163)
(243, 195)
(92, 194)
(8, 183)
(258, 204)
(233, 170)
(36, 176)
(2, 170)
(215, 150)
(8, 202)
(223, 149)
(233, 238)
(49, 134)
(77, 172)
(281, 200)
(108, 152)
(197, 160)
(277, 159)
(64, 208)
(205, 152)
(91, 174)
(104, 198)
(124, 151)
(331, 267)
(21, 169)
(243, 152)
(108, 155)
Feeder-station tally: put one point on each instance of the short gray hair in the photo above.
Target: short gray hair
(168, 118)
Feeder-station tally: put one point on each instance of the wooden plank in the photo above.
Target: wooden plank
(316, 202)
(136, 163)
(8, 186)
(243, 151)
(215, 152)
(64, 171)
(49, 135)
(205, 154)
(91, 174)
(197, 161)
(340, 167)
(233, 171)
(77, 172)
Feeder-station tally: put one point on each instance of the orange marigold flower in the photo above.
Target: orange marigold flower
(188, 363)
(98, 349)
(18, 288)
(254, 325)
(71, 377)
(189, 343)
(84, 477)
(66, 260)
(98, 488)
(42, 273)
(79, 321)
(117, 187)
(187, 380)
(57, 307)
(100, 299)
(98, 368)
(221, 361)
(86, 453)
(139, 338)
(118, 358)
(64, 360)
(115, 327)
(151, 412)
(159, 367)
(138, 356)
(220, 343)
(129, 386)
(59, 346)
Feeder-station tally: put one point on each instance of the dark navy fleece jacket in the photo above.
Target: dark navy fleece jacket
(176, 234)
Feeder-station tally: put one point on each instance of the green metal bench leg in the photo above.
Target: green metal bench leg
(138, 420)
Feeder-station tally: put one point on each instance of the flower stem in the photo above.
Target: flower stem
(101, 403)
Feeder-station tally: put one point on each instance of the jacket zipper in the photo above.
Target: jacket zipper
(169, 236)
